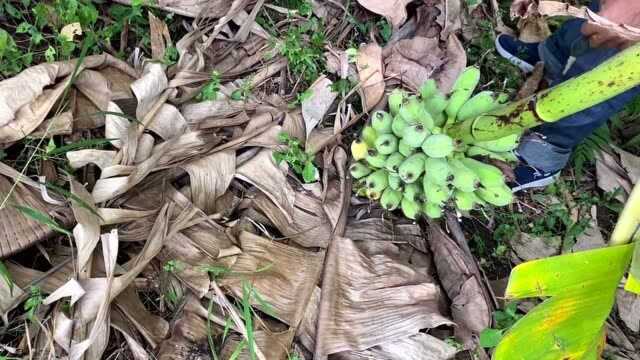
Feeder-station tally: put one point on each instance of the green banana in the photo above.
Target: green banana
(386, 144)
(359, 149)
(377, 181)
(412, 168)
(465, 201)
(372, 194)
(410, 208)
(434, 193)
(413, 112)
(433, 211)
(413, 192)
(436, 104)
(478, 151)
(462, 91)
(414, 135)
(464, 179)
(498, 196)
(437, 171)
(359, 170)
(507, 143)
(393, 162)
(395, 182)
(481, 103)
(375, 159)
(396, 98)
(428, 89)
(405, 149)
(438, 146)
(489, 175)
(381, 122)
(369, 136)
(390, 199)
(398, 125)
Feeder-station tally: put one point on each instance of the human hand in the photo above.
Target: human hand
(618, 12)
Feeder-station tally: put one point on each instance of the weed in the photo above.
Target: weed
(303, 46)
(243, 92)
(33, 302)
(301, 163)
(453, 342)
(585, 153)
(504, 319)
(171, 56)
(42, 218)
(342, 86)
(300, 98)
(210, 91)
(173, 266)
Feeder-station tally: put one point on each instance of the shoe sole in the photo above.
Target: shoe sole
(523, 65)
(536, 184)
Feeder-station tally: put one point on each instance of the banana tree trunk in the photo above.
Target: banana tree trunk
(611, 78)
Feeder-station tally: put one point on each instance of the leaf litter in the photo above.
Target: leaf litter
(181, 231)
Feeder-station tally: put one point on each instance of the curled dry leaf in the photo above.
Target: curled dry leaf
(394, 10)
(210, 177)
(611, 175)
(417, 347)
(274, 345)
(470, 309)
(529, 247)
(191, 8)
(629, 309)
(289, 278)
(188, 339)
(369, 300)
(317, 105)
(87, 231)
(370, 72)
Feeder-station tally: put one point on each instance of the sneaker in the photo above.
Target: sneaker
(528, 177)
(521, 54)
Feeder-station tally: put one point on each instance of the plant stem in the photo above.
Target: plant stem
(626, 229)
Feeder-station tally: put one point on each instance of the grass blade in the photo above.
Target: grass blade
(6, 277)
(82, 144)
(247, 289)
(42, 218)
(212, 346)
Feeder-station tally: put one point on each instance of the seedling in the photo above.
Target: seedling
(300, 162)
(210, 91)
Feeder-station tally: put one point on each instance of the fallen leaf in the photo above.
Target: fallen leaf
(370, 300)
(317, 105)
(370, 72)
(529, 247)
(394, 10)
(71, 289)
(628, 305)
(210, 176)
(417, 347)
(611, 176)
(69, 31)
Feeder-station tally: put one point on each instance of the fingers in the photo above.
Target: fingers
(599, 36)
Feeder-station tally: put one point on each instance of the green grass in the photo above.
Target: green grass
(300, 162)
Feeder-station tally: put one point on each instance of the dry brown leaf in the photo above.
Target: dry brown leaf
(611, 176)
(61, 124)
(191, 8)
(317, 105)
(168, 122)
(529, 247)
(210, 177)
(413, 61)
(310, 226)
(370, 72)
(262, 172)
(629, 309)
(80, 158)
(337, 192)
(188, 339)
(159, 35)
(148, 88)
(197, 112)
(87, 231)
(274, 345)
(417, 347)
(306, 332)
(532, 84)
(449, 18)
(152, 327)
(121, 324)
(288, 281)
(455, 62)
(631, 163)
(469, 308)
(71, 289)
(369, 300)
(394, 10)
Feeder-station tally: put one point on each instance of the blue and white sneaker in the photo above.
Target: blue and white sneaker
(528, 177)
(521, 54)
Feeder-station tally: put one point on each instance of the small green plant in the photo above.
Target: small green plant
(33, 302)
(585, 153)
(171, 56)
(173, 266)
(504, 319)
(301, 162)
(243, 92)
(210, 90)
(300, 98)
(303, 46)
(42, 218)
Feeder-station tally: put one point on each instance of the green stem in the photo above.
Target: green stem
(611, 78)
(626, 228)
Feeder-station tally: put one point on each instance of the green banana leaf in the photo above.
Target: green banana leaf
(579, 289)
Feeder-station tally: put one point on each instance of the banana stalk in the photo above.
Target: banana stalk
(611, 78)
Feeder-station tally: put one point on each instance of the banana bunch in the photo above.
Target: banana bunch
(405, 160)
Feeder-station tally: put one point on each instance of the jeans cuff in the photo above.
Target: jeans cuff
(542, 155)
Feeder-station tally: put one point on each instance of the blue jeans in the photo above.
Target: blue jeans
(566, 54)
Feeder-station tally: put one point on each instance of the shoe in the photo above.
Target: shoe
(521, 54)
(528, 177)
